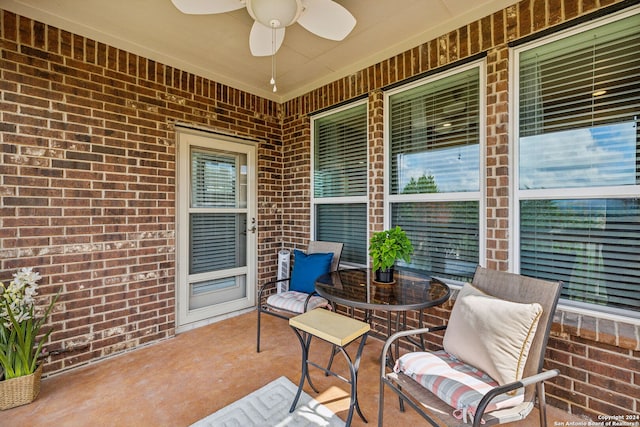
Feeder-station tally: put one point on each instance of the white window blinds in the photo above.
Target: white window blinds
(585, 80)
(579, 107)
(434, 144)
(434, 135)
(444, 235)
(340, 180)
(578, 164)
(216, 189)
(344, 222)
(593, 246)
(340, 154)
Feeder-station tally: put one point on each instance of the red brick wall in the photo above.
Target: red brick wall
(296, 181)
(599, 357)
(87, 188)
(88, 167)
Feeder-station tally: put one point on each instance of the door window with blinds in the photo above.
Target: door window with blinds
(216, 226)
(212, 243)
(434, 133)
(578, 174)
(340, 180)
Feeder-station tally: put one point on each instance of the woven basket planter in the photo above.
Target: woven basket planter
(21, 390)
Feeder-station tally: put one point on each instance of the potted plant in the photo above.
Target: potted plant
(385, 248)
(20, 339)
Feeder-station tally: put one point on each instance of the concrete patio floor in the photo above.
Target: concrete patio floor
(181, 380)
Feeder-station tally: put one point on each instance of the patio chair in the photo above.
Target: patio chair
(320, 258)
(490, 368)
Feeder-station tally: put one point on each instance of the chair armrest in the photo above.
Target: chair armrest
(400, 334)
(269, 285)
(306, 301)
(540, 377)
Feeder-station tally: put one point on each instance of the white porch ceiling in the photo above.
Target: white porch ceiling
(217, 46)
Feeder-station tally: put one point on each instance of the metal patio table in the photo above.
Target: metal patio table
(411, 290)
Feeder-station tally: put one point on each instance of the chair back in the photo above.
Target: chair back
(523, 289)
(318, 246)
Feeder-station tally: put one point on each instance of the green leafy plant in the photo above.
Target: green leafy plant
(20, 324)
(385, 247)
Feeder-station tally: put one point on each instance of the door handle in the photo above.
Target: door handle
(253, 227)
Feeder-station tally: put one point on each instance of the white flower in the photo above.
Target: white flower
(19, 296)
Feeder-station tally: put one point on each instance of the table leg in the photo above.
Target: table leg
(305, 344)
(420, 326)
(353, 369)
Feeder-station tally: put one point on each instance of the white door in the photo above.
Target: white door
(216, 235)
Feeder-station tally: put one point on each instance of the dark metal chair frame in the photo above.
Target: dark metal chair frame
(315, 246)
(506, 286)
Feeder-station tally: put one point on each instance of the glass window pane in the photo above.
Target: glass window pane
(444, 235)
(217, 181)
(435, 134)
(340, 172)
(585, 80)
(579, 109)
(589, 157)
(578, 128)
(340, 153)
(217, 291)
(344, 223)
(217, 241)
(593, 246)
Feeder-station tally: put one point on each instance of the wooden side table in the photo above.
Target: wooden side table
(339, 331)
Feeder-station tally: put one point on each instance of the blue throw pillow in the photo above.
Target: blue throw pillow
(307, 268)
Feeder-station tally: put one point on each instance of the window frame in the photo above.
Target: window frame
(335, 200)
(461, 196)
(574, 193)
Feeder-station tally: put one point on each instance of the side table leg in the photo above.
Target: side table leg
(353, 368)
(333, 353)
(308, 347)
(304, 374)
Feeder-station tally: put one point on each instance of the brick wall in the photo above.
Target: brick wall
(599, 357)
(87, 187)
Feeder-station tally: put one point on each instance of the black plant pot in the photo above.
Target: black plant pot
(384, 276)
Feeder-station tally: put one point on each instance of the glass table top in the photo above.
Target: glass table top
(411, 290)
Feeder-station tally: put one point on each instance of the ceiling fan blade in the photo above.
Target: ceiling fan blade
(204, 7)
(327, 19)
(260, 39)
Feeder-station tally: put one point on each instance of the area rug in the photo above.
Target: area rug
(269, 407)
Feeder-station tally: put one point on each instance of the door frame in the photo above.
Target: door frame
(186, 319)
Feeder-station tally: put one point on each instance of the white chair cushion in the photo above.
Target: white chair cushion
(459, 385)
(293, 301)
(491, 334)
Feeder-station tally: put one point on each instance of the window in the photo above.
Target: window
(214, 184)
(340, 180)
(434, 133)
(578, 179)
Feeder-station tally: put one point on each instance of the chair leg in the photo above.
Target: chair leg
(542, 405)
(258, 333)
(381, 402)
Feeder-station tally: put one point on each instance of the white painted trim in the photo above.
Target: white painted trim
(333, 200)
(186, 138)
(516, 194)
(211, 320)
(479, 195)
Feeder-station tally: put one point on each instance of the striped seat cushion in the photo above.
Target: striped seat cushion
(459, 385)
(293, 301)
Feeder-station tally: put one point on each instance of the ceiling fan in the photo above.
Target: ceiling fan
(324, 18)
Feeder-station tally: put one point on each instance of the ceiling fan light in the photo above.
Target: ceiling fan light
(282, 13)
